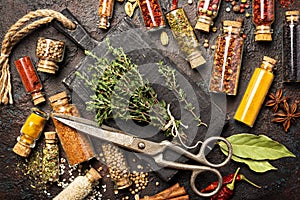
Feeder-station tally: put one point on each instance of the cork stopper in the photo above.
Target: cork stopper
(202, 26)
(47, 66)
(103, 23)
(203, 23)
(235, 24)
(292, 12)
(270, 60)
(58, 96)
(50, 137)
(37, 98)
(123, 183)
(263, 37)
(21, 149)
(93, 175)
(196, 59)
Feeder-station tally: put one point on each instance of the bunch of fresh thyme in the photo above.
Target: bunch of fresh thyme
(120, 91)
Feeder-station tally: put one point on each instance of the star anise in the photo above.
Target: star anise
(288, 115)
(275, 100)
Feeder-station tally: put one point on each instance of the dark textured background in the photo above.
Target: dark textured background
(281, 184)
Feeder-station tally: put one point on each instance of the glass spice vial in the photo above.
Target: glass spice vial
(256, 92)
(152, 14)
(50, 52)
(117, 165)
(80, 187)
(50, 160)
(30, 79)
(207, 11)
(30, 132)
(76, 145)
(105, 12)
(185, 37)
(263, 17)
(227, 59)
(291, 44)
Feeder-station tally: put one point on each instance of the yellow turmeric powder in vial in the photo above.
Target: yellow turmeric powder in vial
(256, 92)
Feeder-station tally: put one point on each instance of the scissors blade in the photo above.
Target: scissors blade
(91, 128)
(117, 137)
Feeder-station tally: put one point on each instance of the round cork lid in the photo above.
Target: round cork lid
(232, 23)
(292, 12)
(202, 26)
(22, 150)
(93, 175)
(51, 135)
(270, 60)
(58, 96)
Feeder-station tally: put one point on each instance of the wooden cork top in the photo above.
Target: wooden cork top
(93, 175)
(51, 135)
(292, 12)
(58, 96)
(270, 60)
(21, 149)
(232, 23)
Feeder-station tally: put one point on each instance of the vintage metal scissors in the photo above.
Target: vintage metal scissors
(153, 149)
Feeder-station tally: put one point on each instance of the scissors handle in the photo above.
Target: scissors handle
(196, 170)
(201, 155)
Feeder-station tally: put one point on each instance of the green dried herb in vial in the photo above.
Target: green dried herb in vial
(50, 162)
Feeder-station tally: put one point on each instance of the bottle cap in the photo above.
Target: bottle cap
(270, 60)
(103, 23)
(93, 175)
(58, 96)
(263, 37)
(21, 149)
(236, 24)
(37, 98)
(196, 59)
(292, 12)
(47, 66)
(202, 26)
(123, 183)
(51, 135)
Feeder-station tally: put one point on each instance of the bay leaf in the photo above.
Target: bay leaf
(256, 147)
(259, 166)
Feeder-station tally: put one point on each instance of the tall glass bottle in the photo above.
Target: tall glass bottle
(263, 17)
(291, 47)
(80, 187)
(76, 145)
(207, 11)
(105, 12)
(30, 132)
(227, 59)
(30, 79)
(256, 92)
(185, 36)
(152, 14)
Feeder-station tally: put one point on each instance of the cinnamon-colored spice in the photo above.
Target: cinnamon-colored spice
(75, 144)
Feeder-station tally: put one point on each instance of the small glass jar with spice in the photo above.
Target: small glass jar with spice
(291, 44)
(207, 11)
(227, 59)
(30, 132)
(256, 92)
(76, 145)
(50, 52)
(105, 12)
(80, 187)
(263, 17)
(117, 165)
(152, 14)
(30, 79)
(185, 36)
(50, 160)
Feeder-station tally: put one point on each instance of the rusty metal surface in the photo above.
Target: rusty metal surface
(281, 184)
